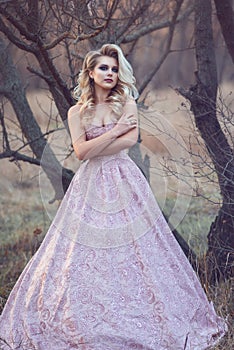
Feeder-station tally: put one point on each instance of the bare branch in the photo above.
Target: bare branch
(155, 26)
(70, 63)
(48, 79)
(19, 43)
(14, 155)
(4, 131)
(38, 138)
(85, 36)
(137, 12)
(66, 35)
(113, 8)
(150, 76)
(22, 30)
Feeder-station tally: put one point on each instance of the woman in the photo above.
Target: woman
(109, 274)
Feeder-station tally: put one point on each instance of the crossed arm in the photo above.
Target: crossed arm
(123, 135)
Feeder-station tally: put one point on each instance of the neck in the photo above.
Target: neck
(101, 95)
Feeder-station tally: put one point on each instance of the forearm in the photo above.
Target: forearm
(122, 136)
(92, 148)
(118, 145)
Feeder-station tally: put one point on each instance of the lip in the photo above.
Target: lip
(108, 80)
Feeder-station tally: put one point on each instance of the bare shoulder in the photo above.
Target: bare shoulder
(74, 111)
(130, 100)
(74, 122)
(130, 105)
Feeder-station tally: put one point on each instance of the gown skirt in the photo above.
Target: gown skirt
(109, 274)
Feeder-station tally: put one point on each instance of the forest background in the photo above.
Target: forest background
(182, 53)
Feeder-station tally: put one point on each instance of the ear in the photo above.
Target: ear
(91, 74)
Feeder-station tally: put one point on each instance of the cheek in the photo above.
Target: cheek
(101, 74)
(97, 73)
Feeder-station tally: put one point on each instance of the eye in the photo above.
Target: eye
(103, 67)
(115, 70)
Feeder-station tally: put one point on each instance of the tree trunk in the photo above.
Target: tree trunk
(225, 16)
(203, 105)
(13, 90)
(58, 89)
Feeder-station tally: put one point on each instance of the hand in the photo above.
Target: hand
(126, 123)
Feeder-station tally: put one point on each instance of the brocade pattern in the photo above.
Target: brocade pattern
(109, 274)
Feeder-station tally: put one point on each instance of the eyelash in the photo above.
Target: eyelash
(115, 70)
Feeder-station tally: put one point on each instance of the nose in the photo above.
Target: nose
(110, 73)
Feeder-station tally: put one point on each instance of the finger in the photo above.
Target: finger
(132, 126)
(133, 121)
(129, 116)
(123, 117)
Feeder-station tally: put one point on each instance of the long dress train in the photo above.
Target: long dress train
(109, 274)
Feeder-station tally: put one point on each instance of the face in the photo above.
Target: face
(105, 73)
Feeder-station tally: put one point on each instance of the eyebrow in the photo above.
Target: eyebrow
(106, 65)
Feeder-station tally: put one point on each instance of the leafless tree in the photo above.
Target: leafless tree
(203, 96)
(225, 16)
(11, 87)
(47, 30)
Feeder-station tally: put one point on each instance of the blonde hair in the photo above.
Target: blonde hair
(125, 87)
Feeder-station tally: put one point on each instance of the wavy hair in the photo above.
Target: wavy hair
(125, 87)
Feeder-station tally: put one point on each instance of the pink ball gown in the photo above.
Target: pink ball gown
(109, 274)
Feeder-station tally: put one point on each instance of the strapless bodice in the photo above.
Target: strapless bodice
(93, 131)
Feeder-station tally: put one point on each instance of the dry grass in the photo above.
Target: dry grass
(222, 296)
